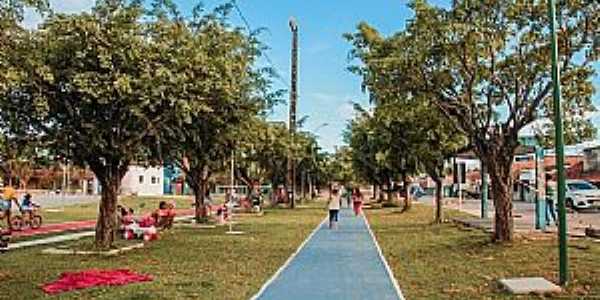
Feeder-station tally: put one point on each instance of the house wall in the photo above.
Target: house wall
(143, 181)
(592, 160)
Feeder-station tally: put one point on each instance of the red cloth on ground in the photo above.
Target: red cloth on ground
(69, 281)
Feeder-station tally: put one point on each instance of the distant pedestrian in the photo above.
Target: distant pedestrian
(344, 194)
(334, 208)
(550, 200)
(357, 201)
(349, 197)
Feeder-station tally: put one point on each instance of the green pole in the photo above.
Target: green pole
(560, 153)
(540, 201)
(484, 192)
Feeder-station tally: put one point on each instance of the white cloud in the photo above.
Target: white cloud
(318, 48)
(532, 128)
(346, 110)
(592, 115)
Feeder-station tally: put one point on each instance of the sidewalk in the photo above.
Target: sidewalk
(524, 216)
(62, 236)
(72, 226)
(335, 264)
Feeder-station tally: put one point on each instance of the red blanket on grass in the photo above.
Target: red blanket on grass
(69, 281)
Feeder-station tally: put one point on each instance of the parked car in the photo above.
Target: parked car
(582, 194)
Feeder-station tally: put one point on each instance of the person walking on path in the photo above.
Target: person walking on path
(550, 200)
(334, 208)
(357, 201)
(345, 194)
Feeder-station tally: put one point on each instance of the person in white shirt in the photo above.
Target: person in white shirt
(334, 208)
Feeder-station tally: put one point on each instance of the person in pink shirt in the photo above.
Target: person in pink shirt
(357, 201)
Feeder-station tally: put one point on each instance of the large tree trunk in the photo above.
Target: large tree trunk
(439, 200)
(407, 199)
(106, 227)
(380, 194)
(200, 214)
(499, 171)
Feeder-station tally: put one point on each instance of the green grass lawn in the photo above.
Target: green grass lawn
(185, 263)
(89, 211)
(446, 262)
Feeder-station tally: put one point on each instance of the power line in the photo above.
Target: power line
(264, 54)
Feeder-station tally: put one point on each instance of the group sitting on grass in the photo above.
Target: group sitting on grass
(147, 226)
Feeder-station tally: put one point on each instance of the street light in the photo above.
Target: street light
(314, 159)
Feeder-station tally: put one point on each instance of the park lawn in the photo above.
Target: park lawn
(89, 211)
(447, 262)
(185, 263)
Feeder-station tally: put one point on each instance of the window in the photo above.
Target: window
(526, 157)
(580, 186)
(153, 180)
(141, 179)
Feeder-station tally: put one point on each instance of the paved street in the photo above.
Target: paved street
(335, 264)
(52, 200)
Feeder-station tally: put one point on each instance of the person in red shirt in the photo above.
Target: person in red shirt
(357, 201)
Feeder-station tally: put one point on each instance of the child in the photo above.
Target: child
(357, 200)
(334, 208)
(27, 205)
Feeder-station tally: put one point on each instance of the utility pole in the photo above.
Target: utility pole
(560, 151)
(291, 166)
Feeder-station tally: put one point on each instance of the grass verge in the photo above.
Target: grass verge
(89, 211)
(448, 262)
(185, 263)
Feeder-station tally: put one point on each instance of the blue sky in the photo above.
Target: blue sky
(326, 88)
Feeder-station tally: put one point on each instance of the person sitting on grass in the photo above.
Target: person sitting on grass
(223, 210)
(125, 216)
(164, 215)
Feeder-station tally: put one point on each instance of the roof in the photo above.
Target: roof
(521, 150)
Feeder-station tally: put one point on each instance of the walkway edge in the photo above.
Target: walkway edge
(385, 263)
(288, 261)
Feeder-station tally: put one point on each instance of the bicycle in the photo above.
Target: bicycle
(4, 216)
(32, 219)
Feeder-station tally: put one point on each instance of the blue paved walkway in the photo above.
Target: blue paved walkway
(335, 264)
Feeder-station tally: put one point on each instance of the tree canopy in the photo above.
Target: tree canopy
(486, 67)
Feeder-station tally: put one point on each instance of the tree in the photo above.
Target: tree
(437, 142)
(93, 86)
(368, 143)
(215, 64)
(486, 66)
(263, 150)
(262, 155)
(12, 146)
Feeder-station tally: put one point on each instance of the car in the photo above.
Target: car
(581, 194)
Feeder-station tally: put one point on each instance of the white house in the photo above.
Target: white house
(141, 181)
